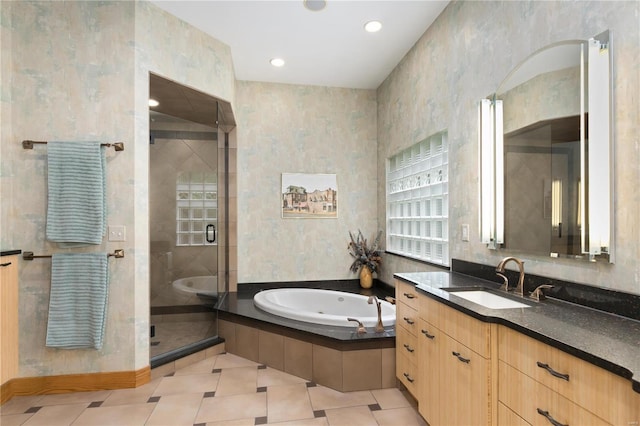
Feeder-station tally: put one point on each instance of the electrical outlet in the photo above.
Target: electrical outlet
(117, 233)
(464, 230)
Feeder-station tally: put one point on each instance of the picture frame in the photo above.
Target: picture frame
(309, 196)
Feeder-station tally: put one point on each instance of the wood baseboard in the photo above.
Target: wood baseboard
(67, 383)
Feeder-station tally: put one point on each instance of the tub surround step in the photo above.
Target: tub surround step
(356, 369)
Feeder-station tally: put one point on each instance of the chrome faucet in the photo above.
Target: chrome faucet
(500, 272)
(379, 327)
(360, 329)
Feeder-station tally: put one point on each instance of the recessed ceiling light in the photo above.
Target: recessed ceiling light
(153, 103)
(373, 26)
(277, 62)
(315, 5)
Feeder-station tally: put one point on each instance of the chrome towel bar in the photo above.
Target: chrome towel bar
(28, 255)
(28, 144)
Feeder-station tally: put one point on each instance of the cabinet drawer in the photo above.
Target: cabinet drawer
(506, 417)
(407, 373)
(473, 333)
(406, 344)
(407, 318)
(536, 403)
(407, 293)
(605, 394)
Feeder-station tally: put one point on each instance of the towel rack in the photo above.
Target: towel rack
(118, 146)
(28, 255)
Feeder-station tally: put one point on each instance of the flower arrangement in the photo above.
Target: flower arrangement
(364, 255)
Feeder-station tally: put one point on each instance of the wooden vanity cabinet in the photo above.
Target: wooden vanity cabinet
(464, 371)
(407, 350)
(8, 318)
(453, 379)
(535, 378)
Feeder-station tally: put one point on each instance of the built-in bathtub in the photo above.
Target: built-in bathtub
(324, 307)
(334, 356)
(205, 285)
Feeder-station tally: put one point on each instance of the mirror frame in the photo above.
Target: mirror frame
(597, 167)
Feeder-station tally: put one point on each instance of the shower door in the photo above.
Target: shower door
(183, 214)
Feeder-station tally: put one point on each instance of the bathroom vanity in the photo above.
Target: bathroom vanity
(8, 320)
(549, 363)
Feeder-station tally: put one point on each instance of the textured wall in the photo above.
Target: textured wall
(302, 129)
(462, 58)
(79, 70)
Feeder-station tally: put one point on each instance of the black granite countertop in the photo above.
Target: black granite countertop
(606, 340)
(241, 303)
(9, 252)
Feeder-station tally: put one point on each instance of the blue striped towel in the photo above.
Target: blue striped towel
(77, 208)
(78, 300)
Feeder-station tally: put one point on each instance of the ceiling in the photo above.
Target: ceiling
(320, 48)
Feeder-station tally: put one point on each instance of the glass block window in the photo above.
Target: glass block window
(196, 207)
(418, 201)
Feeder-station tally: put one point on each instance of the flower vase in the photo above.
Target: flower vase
(366, 279)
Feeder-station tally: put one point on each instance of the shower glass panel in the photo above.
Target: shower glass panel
(183, 217)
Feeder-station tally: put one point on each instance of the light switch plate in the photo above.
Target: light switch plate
(117, 233)
(465, 232)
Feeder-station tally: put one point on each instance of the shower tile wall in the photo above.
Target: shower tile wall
(175, 150)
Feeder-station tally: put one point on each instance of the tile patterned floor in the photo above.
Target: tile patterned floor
(220, 390)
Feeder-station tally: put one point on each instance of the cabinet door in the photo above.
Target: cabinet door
(8, 318)
(465, 385)
(429, 345)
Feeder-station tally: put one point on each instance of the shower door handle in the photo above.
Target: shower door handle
(211, 227)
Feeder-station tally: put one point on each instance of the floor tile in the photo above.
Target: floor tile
(323, 398)
(200, 367)
(20, 404)
(55, 415)
(187, 384)
(176, 410)
(231, 361)
(390, 398)
(233, 407)
(14, 419)
(398, 416)
(322, 421)
(238, 422)
(237, 381)
(273, 377)
(130, 415)
(74, 398)
(131, 396)
(352, 416)
(288, 402)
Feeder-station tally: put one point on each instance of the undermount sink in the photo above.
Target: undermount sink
(487, 299)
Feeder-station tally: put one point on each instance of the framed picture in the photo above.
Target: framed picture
(309, 196)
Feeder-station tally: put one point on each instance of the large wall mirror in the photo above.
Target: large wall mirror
(546, 163)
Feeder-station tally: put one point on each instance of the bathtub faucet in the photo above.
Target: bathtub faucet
(379, 327)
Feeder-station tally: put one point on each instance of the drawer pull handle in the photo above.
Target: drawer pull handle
(408, 377)
(408, 348)
(409, 321)
(553, 372)
(5, 264)
(426, 333)
(457, 355)
(553, 421)
(409, 295)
